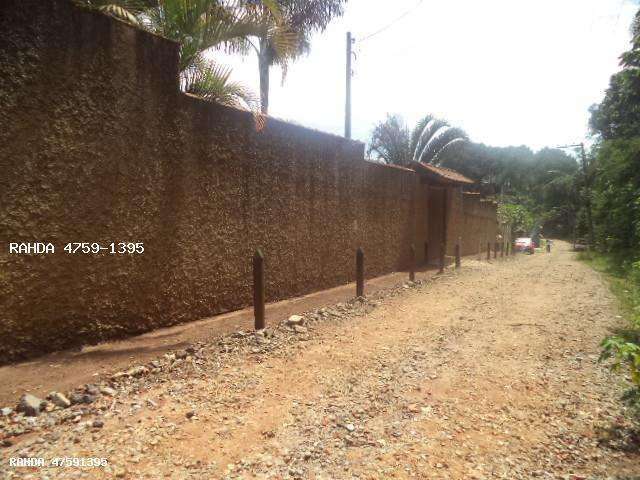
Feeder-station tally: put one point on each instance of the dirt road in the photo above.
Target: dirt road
(489, 372)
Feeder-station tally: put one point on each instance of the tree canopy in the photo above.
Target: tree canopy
(615, 170)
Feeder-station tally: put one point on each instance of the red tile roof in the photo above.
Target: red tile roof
(442, 174)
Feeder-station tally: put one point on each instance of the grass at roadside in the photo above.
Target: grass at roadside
(623, 347)
(624, 282)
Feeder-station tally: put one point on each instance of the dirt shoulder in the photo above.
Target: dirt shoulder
(65, 370)
(490, 372)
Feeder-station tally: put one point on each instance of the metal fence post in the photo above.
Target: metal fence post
(488, 250)
(258, 290)
(457, 251)
(359, 273)
(443, 246)
(412, 267)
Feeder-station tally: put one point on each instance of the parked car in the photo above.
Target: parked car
(525, 244)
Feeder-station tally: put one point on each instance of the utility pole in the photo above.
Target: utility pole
(587, 191)
(347, 110)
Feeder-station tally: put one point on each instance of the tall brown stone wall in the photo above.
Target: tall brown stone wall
(472, 221)
(437, 210)
(480, 224)
(98, 145)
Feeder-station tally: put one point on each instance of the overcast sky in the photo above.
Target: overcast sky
(509, 72)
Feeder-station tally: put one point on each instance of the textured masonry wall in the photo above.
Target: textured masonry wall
(472, 220)
(98, 145)
(480, 224)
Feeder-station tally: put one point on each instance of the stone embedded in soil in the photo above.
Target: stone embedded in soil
(30, 405)
(299, 329)
(350, 427)
(295, 320)
(97, 424)
(139, 371)
(80, 398)
(6, 411)
(59, 400)
(91, 389)
(110, 392)
(119, 375)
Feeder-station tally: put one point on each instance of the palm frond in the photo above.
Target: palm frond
(427, 133)
(212, 82)
(446, 147)
(442, 137)
(119, 12)
(126, 10)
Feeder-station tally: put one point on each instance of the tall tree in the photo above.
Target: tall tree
(201, 26)
(618, 115)
(616, 181)
(298, 20)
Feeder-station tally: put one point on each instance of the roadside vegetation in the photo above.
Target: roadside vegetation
(622, 349)
(614, 175)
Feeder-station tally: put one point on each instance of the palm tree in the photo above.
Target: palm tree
(286, 28)
(199, 26)
(273, 40)
(432, 137)
(390, 141)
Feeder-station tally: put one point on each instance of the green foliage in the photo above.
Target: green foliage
(618, 115)
(622, 349)
(546, 183)
(625, 354)
(390, 141)
(211, 82)
(518, 217)
(432, 137)
(616, 194)
(278, 30)
(198, 25)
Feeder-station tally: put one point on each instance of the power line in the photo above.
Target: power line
(411, 10)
